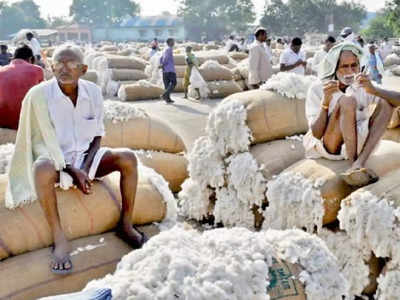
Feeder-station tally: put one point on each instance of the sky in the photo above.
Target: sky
(156, 7)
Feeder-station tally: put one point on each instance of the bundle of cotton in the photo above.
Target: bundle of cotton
(389, 283)
(6, 152)
(7, 135)
(89, 58)
(90, 75)
(141, 90)
(220, 56)
(228, 264)
(391, 60)
(238, 56)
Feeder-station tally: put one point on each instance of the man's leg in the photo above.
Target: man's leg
(348, 125)
(166, 83)
(125, 162)
(377, 127)
(171, 84)
(333, 138)
(46, 177)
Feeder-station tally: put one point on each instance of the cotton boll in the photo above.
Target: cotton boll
(389, 283)
(194, 200)
(289, 84)
(227, 129)
(294, 201)
(121, 112)
(6, 153)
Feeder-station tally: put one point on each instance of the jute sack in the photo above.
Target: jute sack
(127, 74)
(222, 89)
(203, 56)
(179, 86)
(392, 59)
(26, 229)
(123, 62)
(239, 56)
(139, 91)
(180, 71)
(145, 133)
(125, 52)
(243, 67)
(179, 60)
(109, 48)
(236, 74)
(392, 135)
(28, 276)
(271, 116)
(396, 71)
(7, 135)
(215, 72)
(211, 47)
(242, 84)
(276, 156)
(91, 75)
(332, 188)
(173, 167)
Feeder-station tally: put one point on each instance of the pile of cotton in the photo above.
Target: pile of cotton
(227, 264)
(6, 153)
(392, 60)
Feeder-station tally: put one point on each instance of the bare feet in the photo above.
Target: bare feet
(61, 262)
(131, 235)
(359, 176)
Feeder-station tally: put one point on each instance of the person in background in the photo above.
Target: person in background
(242, 45)
(385, 49)
(360, 42)
(293, 59)
(5, 56)
(231, 44)
(320, 55)
(375, 64)
(268, 49)
(16, 79)
(260, 68)
(154, 44)
(35, 46)
(168, 67)
(191, 62)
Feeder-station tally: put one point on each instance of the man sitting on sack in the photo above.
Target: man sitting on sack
(58, 143)
(347, 115)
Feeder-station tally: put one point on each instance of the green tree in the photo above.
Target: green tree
(393, 8)
(110, 12)
(298, 17)
(54, 22)
(214, 19)
(379, 28)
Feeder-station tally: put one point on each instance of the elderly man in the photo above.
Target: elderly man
(347, 115)
(58, 142)
(293, 59)
(320, 55)
(260, 68)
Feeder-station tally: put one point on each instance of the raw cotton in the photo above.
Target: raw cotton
(194, 200)
(116, 111)
(227, 128)
(289, 85)
(389, 283)
(222, 264)
(294, 201)
(6, 153)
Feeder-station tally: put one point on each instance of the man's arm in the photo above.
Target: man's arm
(390, 96)
(90, 154)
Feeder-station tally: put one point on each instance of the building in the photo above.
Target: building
(143, 29)
(74, 32)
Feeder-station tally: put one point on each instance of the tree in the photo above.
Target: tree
(393, 8)
(19, 15)
(110, 12)
(215, 19)
(54, 22)
(298, 17)
(379, 28)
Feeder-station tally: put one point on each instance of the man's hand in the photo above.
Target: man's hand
(330, 88)
(363, 81)
(299, 63)
(81, 180)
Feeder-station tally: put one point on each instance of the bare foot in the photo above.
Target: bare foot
(131, 235)
(61, 263)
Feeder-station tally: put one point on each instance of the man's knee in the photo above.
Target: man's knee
(126, 160)
(385, 108)
(348, 104)
(44, 171)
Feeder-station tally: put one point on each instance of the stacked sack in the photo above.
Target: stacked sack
(248, 172)
(392, 63)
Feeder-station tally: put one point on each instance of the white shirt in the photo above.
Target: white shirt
(75, 127)
(260, 68)
(317, 59)
(289, 57)
(34, 45)
(269, 52)
(385, 50)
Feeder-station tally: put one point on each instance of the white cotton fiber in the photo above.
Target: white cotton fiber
(6, 153)
(373, 223)
(389, 283)
(116, 111)
(194, 200)
(227, 129)
(221, 264)
(289, 84)
(294, 201)
(351, 257)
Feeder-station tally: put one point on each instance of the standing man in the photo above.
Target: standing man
(16, 80)
(320, 55)
(34, 44)
(293, 59)
(260, 68)
(5, 56)
(268, 49)
(168, 67)
(375, 64)
(386, 48)
(58, 141)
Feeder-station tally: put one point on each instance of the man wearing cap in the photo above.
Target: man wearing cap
(293, 59)
(260, 68)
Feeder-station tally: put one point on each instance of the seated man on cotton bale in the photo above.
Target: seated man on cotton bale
(58, 143)
(347, 114)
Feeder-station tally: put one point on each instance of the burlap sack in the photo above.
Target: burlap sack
(91, 75)
(125, 52)
(173, 167)
(215, 72)
(220, 57)
(239, 56)
(26, 229)
(392, 135)
(396, 70)
(145, 133)
(392, 59)
(28, 276)
(179, 60)
(236, 74)
(211, 47)
(242, 84)
(109, 48)
(271, 116)
(179, 86)
(7, 135)
(180, 71)
(222, 89)
(332, 188)
(123, 62)
(139, 91)
(276, 156)
(127, 74)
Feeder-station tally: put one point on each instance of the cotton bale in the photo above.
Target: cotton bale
(391, 60)
(90, 75)
(213, 71)
(222, 89)
(219, 56)
(123, 62)
(127, 75)
(239, 56)
(7, 135)
(142, 90)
